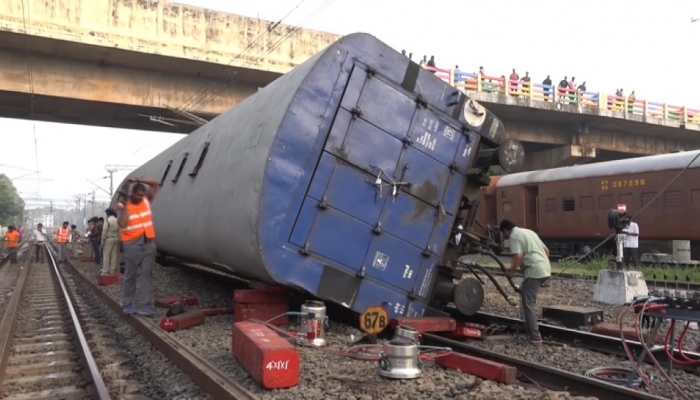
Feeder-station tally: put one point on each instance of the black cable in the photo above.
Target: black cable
(492, 279)
(503, 269)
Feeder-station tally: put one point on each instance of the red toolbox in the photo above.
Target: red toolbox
(182, 321)
(269, 359)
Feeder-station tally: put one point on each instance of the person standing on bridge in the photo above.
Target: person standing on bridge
(138, 239)
(38, 241)
(12, 239)
(547, 88)
(532, 257)
(63, 239)
(110, 243)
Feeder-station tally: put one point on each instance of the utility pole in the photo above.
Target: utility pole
(111, 169)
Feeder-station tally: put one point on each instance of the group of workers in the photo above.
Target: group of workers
(128, 226)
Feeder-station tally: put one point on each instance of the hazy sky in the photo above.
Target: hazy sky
(647, 46)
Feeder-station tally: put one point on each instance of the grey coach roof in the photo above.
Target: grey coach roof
(629, 166)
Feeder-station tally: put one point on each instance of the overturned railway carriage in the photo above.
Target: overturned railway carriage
(344, 178)
(569, 206)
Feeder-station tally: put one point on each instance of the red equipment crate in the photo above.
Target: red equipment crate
(106, 280)
(261, 312)
(261, 296)
(182, 321)
(429, 324)
(269, 359)
(479, 367)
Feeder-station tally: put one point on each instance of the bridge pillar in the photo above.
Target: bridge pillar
(560, 156)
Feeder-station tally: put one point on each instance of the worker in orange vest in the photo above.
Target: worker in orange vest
(138, 245)
(63, 238)
(12, 239)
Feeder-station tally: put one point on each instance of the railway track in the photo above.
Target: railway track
(575, 337)
(209, 378)
(546, 376)
(44, 351)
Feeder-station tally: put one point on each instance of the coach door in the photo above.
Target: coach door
(531, 202)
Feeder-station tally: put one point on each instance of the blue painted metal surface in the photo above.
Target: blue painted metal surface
(342, 178)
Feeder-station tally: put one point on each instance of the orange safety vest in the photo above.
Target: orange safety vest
(140, 222)
(12, 239)
(62, 235)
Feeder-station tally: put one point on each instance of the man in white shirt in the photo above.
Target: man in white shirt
(631, 244)
(38, 240)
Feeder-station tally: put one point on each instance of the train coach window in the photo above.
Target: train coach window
(165, 172)
(626, 199)
(605, 202)
(506, 207)
(695, 196)
(647, 197)
(180, 168)
(568, 204)
(586, 203)
(673, 199)
(202, 154)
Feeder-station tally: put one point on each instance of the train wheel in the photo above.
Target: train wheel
(468, 296)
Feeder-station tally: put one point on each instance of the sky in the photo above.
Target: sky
(649, 46)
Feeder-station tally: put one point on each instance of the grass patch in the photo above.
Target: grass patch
(652, 272)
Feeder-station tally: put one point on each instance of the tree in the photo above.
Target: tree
(11, 205)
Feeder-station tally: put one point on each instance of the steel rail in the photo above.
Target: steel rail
(602, 343)
(204, 374)
(550, 377)
(101, 389)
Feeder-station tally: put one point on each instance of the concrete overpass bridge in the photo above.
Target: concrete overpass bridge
(140, 64)
(129, 64)
(561, 126)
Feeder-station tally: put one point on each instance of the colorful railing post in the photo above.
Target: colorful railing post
(602, 102)
(644, 110)
(478, 82)
(685, 116)
(665, 112)
(625, 104)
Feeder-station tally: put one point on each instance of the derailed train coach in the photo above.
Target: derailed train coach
(345, 178)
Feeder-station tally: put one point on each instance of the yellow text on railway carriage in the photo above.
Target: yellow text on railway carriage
(606, 184)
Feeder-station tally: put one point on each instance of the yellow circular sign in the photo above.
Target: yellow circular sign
(374, 320)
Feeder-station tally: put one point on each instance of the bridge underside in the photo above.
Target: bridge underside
(61, 81)
(555, 138)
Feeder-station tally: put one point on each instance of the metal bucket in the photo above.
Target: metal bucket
(399, 360)
(313, 323)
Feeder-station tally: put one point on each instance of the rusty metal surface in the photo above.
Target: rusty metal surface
(210, 379)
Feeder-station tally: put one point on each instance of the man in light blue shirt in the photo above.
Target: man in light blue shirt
(532, 257)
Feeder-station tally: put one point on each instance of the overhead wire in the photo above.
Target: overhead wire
(291, 31)
(200, 96)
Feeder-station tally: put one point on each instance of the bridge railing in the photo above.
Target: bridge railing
(538, 95)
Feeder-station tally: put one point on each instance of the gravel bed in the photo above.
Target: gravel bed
(156, 376)
(564, 291)
(325, 373)
(8, 280)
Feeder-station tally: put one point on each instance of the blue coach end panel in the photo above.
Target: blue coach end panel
(363, 185)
